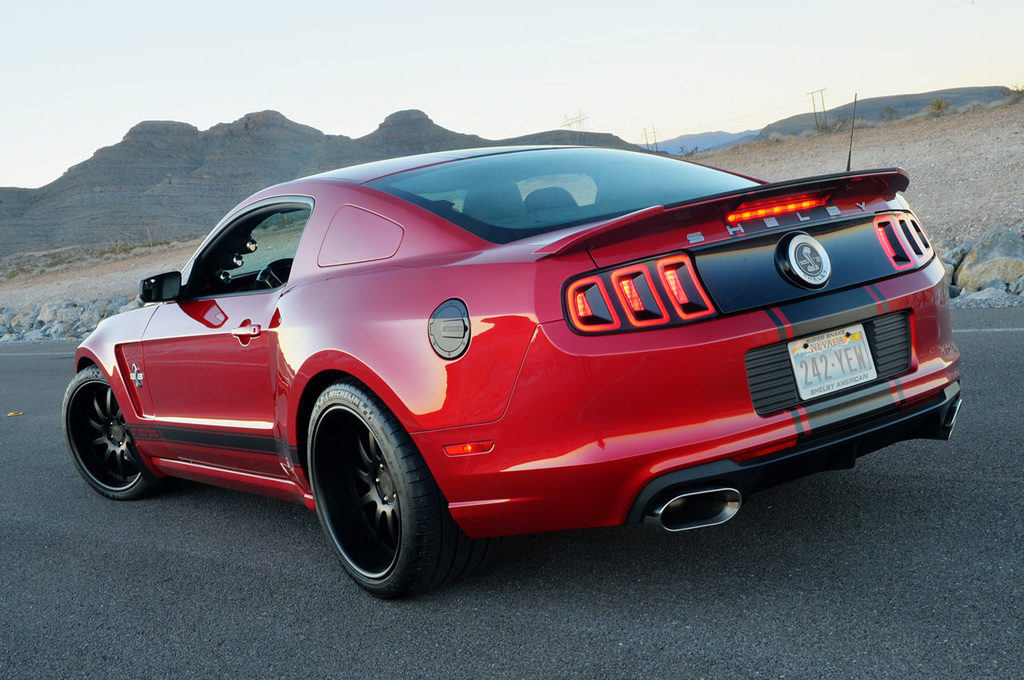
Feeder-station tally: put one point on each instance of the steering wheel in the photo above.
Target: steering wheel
(273, 275)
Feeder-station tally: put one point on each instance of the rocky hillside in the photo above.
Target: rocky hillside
(167, 181)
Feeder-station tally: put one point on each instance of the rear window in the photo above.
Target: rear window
(509, 196)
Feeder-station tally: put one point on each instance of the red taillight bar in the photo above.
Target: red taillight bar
(640, 293)
(916, 238)
(636, 292)
(589, 306)
(685, 292)
(895, 242)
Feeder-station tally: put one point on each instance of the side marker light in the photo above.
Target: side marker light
(467, 449)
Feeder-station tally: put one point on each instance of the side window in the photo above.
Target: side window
(253, 253)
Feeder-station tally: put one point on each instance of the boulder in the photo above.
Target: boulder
(1017, 287)
(950, 254)
(995, 284)
(998, 254)
(988, 297)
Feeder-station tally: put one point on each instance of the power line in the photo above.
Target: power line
(715, 123)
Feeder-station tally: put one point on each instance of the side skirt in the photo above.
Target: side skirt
(274, 487)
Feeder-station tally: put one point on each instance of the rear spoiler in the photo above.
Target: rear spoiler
(886, 182)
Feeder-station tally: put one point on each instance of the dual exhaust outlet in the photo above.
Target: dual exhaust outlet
(709, 506)
(696, 509)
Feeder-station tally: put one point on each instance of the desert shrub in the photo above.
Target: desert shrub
(888, 114)
(938, 106)
(837, 125)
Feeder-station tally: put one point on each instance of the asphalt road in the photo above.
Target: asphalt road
(908, 566)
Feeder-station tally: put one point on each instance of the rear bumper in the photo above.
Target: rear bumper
(598, 429)
(835, 450)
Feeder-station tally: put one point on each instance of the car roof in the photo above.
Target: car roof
(368, 172)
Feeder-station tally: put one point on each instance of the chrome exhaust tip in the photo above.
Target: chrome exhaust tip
(696, 509)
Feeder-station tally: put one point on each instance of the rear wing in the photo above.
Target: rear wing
(882, 183)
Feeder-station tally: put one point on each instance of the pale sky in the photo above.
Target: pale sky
(76, 75)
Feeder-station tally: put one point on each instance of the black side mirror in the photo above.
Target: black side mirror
(161, 288)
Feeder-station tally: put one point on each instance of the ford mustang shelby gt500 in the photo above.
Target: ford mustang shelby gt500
(437, 350)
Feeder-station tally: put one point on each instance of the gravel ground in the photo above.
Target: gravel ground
(95, 281)
(966, 171)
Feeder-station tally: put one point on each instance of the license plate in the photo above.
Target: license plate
(831, 361)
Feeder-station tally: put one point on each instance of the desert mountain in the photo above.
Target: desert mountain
(706, 141)
(168, 180)
(884, 109)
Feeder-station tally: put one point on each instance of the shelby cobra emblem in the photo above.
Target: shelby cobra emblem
(803, 260)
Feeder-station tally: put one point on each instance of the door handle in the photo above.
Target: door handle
(247, 331)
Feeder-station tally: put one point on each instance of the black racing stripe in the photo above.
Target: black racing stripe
(848, 407)
(780, 326)
(294, 456)
(264, 445)
(799, 422)
(898, 386)
(882, 300)
(806, 315)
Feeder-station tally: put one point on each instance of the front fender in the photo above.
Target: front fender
(114, 346)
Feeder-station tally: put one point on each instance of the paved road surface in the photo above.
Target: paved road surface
(909, 566)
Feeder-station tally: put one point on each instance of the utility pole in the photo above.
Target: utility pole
(820, 93)
(652, 140)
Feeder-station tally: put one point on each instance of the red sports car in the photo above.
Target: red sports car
(437, 350)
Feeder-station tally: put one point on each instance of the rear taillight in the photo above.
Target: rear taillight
(637, 295)
(903, 241)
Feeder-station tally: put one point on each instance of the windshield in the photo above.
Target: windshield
(509, 196)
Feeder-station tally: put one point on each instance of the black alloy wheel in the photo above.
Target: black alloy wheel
(377, 501)
(100, 441)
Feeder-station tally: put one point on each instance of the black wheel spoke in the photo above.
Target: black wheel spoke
(98, 408)
(366, 452)
(391, 523)
(364, 476)
(369, 498)
(111, 405)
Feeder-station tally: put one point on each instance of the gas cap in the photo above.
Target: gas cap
(449, 329)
